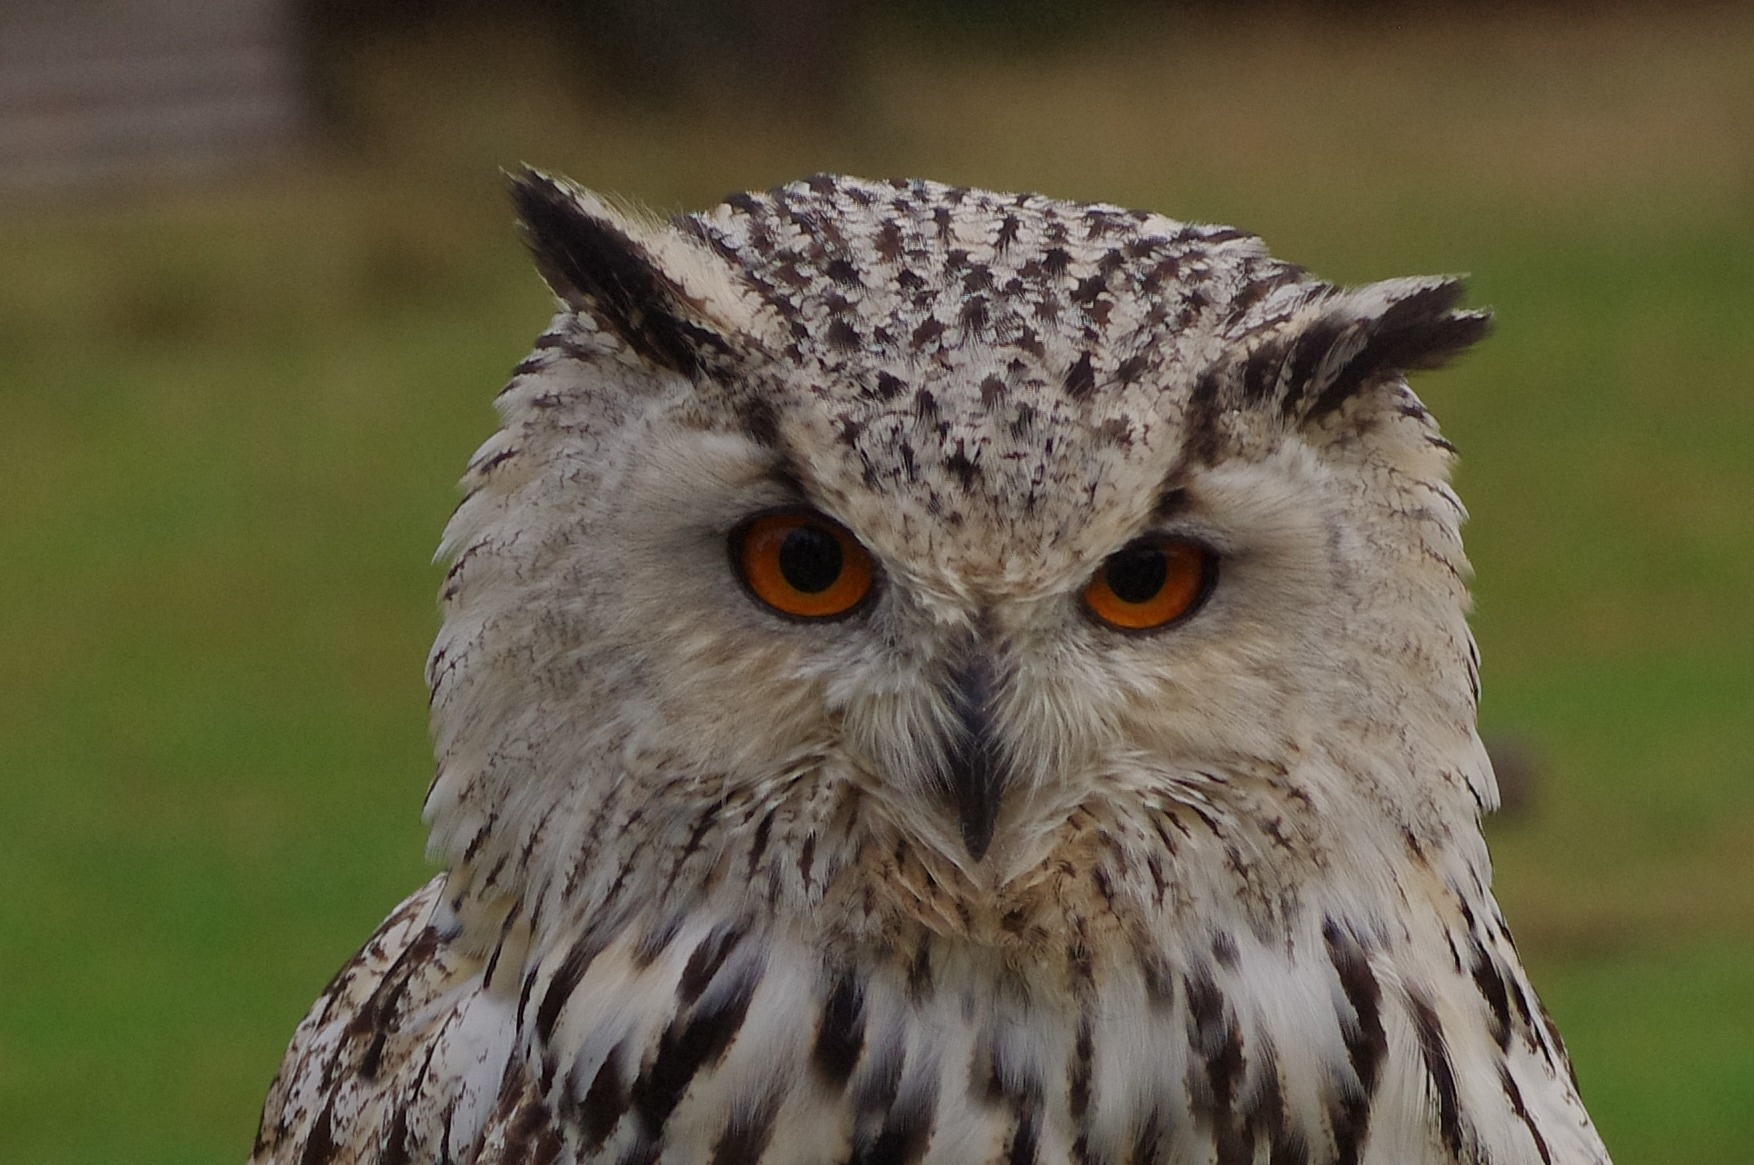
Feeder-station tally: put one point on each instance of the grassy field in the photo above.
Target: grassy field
(232, 419)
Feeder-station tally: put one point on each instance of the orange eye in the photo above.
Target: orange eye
(801, 564)
(1151, 584)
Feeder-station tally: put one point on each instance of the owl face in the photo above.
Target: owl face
(893, 514)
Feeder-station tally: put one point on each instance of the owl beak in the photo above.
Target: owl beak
(973, 774)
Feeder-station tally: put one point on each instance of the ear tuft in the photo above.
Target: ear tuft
(1361, 336)
(590, 258)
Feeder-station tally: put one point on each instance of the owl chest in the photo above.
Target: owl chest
(736, 1046)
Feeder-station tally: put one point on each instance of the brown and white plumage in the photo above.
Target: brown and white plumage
(966, 875)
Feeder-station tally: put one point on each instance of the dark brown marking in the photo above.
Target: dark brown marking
(1159, 979)
(1266, 1116)
(758, 844)
(566, 980)
(1261, 372)
(1088, 291)
(605, 1102)
(531, 1139)
(1349, 1118)
(596, 267)
(644, 1151)
(889, 386)
(889, 242)
(1148, 1140)
(1025, 1136)
(966, 470)
(376, 1018)
(1080, 380)
(1289, 1147)
(1008, 228)
(703, 825)
(1216, 1038)
(320, 1147)
(1166, 270)
(909, 464)
(1307, 350)
(1515, 1096)
(488, 464)
(1366, 1042)
(703, 965)
(486, 830)
(1200, 422)
(1434, 1050)
(1173, 500)
(512, 918)
(1558, 1045)
(1489, 980)
(746, 1134)
(919, 973)
(881, 1080)
(655, 941)
(1420, 331)
(398, 1139)
(1525, 1009)
(687, 1046)
(840, 1031)
(843, 336)
(1080, 1070)
(759, 421)
(902, 1140)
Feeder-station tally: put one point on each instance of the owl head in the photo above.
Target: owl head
(870, 540)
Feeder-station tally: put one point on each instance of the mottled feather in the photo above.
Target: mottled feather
(965, 877)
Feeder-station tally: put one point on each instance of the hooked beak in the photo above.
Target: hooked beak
(973, 773)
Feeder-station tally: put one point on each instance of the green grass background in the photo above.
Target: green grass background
(230, 420)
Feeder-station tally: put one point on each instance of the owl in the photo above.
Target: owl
(938, 676)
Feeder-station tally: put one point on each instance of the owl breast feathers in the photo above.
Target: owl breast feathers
(931, 675)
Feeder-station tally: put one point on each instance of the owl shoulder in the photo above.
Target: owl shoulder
(404, 1056)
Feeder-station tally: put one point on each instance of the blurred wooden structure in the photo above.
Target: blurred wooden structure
(104, 90)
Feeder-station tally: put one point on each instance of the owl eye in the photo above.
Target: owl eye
(1151, 583)
(802, 564)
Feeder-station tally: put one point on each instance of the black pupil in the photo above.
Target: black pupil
(810, 559)
(1136, 574)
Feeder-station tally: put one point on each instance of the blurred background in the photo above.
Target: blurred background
(259, 282)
